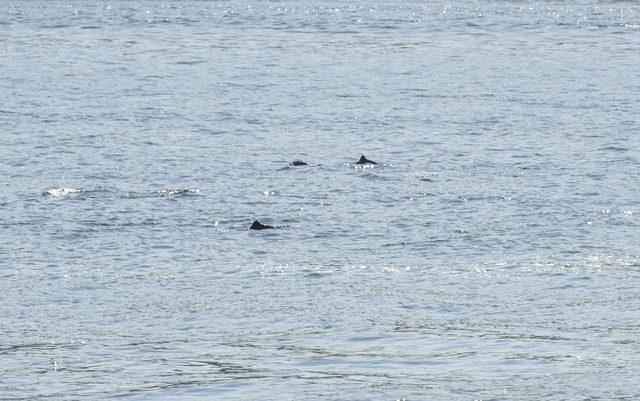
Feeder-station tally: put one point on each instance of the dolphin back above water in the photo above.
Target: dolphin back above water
(364, 160)
(259, 226)
(299, 163)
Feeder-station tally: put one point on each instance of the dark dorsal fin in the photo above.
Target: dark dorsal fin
(259, 226)
(364, 160)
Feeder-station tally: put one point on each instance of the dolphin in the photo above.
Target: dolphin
(364, 160)
(259, 226)
(299, 163)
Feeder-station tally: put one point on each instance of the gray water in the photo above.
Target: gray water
(492, 253)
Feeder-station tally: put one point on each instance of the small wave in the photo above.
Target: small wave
(422, 175)
(63, 192)
(177, 192)
(364, 166)
(488, 198)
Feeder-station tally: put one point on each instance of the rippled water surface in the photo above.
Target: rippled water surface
(492, 253)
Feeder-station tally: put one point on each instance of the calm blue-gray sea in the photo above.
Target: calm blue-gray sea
(493, 253)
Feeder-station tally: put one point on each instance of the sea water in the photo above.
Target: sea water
(492, 254)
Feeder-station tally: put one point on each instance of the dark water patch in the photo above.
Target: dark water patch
(345, 32)
(37, 347)
(614, 149)
(186, 21)
(383, 27)
(397, 244)
(97, 368)
(521, 156)
(221, 367)
(191, 62)
(55, 26)
(561, 287)
(318, 274)
(581, 278)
